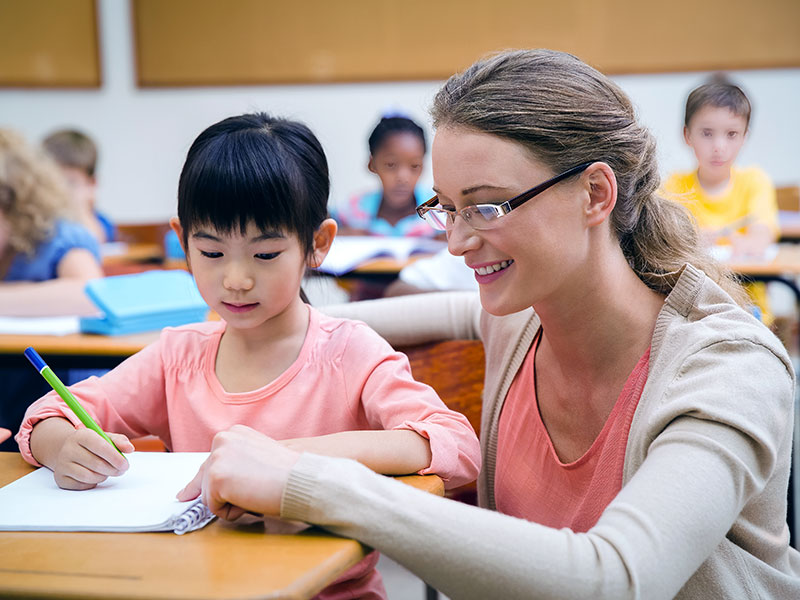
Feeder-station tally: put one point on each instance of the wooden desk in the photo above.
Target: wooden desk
(76, 350)
(786, 262)
(218, 561)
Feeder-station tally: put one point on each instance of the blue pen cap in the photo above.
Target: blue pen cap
(35, 359)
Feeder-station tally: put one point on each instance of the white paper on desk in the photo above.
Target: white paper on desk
(143, 499)
(39, 325)
(349, 251)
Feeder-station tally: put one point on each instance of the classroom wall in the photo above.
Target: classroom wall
(144, 134)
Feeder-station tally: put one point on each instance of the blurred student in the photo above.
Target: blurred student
(45, 257)
(45, 260)
(397, 151)
(252, 216)
(734, 207)
(76, 154)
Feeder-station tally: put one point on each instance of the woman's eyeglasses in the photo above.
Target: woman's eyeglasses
(483, 216)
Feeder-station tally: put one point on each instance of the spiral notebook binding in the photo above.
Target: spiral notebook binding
(195, 517)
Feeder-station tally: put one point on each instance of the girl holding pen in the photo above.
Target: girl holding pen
(252, 217)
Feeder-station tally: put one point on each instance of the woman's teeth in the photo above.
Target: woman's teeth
(492, 268)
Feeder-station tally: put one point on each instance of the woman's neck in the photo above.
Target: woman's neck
(601, 326)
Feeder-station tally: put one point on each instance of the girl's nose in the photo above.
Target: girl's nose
(238, 278)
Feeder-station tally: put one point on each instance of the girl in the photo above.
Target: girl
(43, 254)
(637, 422)
(396, 153)
(252, 203)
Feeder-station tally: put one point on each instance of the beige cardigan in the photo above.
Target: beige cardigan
(702, 512)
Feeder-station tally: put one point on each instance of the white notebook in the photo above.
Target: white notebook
(143, 499)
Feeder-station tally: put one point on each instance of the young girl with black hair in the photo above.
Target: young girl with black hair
(252, 217)
(396, 153)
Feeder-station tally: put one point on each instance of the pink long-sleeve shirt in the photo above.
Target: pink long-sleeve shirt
(345, 378)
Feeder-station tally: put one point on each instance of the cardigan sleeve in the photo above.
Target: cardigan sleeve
(704, 468)
(417, 318)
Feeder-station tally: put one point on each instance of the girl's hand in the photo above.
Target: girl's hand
(246, 472)
(86, 459)
(4, 434)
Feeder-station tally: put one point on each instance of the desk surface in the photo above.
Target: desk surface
(78, 344)
(218, 561)
(786, 262)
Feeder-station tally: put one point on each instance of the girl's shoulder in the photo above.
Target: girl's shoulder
(339, 337)
(190, 342)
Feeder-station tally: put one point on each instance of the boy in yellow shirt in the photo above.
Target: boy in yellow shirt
(732, 206)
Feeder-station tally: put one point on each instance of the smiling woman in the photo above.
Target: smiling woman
(637, 421)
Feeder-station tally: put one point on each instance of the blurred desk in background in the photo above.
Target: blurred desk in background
(789, 222)
(75, 350)
(785, 263)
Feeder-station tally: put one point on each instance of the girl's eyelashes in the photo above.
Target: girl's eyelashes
(267, 255)
(210, 254)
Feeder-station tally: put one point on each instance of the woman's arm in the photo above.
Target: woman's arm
(417, 319)
(698, 475)
(62, 296)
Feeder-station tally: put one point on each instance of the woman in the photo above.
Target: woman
(637, 422)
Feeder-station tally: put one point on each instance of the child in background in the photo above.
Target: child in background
(45, 258)
(252, 215)
(397, 150)
(76, 154)
(732, 206)
(45, 261)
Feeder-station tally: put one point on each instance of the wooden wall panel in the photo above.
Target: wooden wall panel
(208, 42)
(49, 43)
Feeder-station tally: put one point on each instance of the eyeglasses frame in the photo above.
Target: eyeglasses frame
(506, 207)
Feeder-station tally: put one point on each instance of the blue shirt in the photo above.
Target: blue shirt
(43, 264)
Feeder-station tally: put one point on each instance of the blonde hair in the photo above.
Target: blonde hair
(567, 113)
(32, 192)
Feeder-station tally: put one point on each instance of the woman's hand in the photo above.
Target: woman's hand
(246, 472)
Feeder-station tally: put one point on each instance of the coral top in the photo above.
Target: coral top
(533, 484)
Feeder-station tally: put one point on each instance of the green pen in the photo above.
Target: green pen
(51, 378)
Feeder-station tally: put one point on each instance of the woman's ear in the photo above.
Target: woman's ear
(371, 165)
(323, 238)
(602, 192)
(175, 225)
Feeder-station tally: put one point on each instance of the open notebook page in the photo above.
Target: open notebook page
(143, 499)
